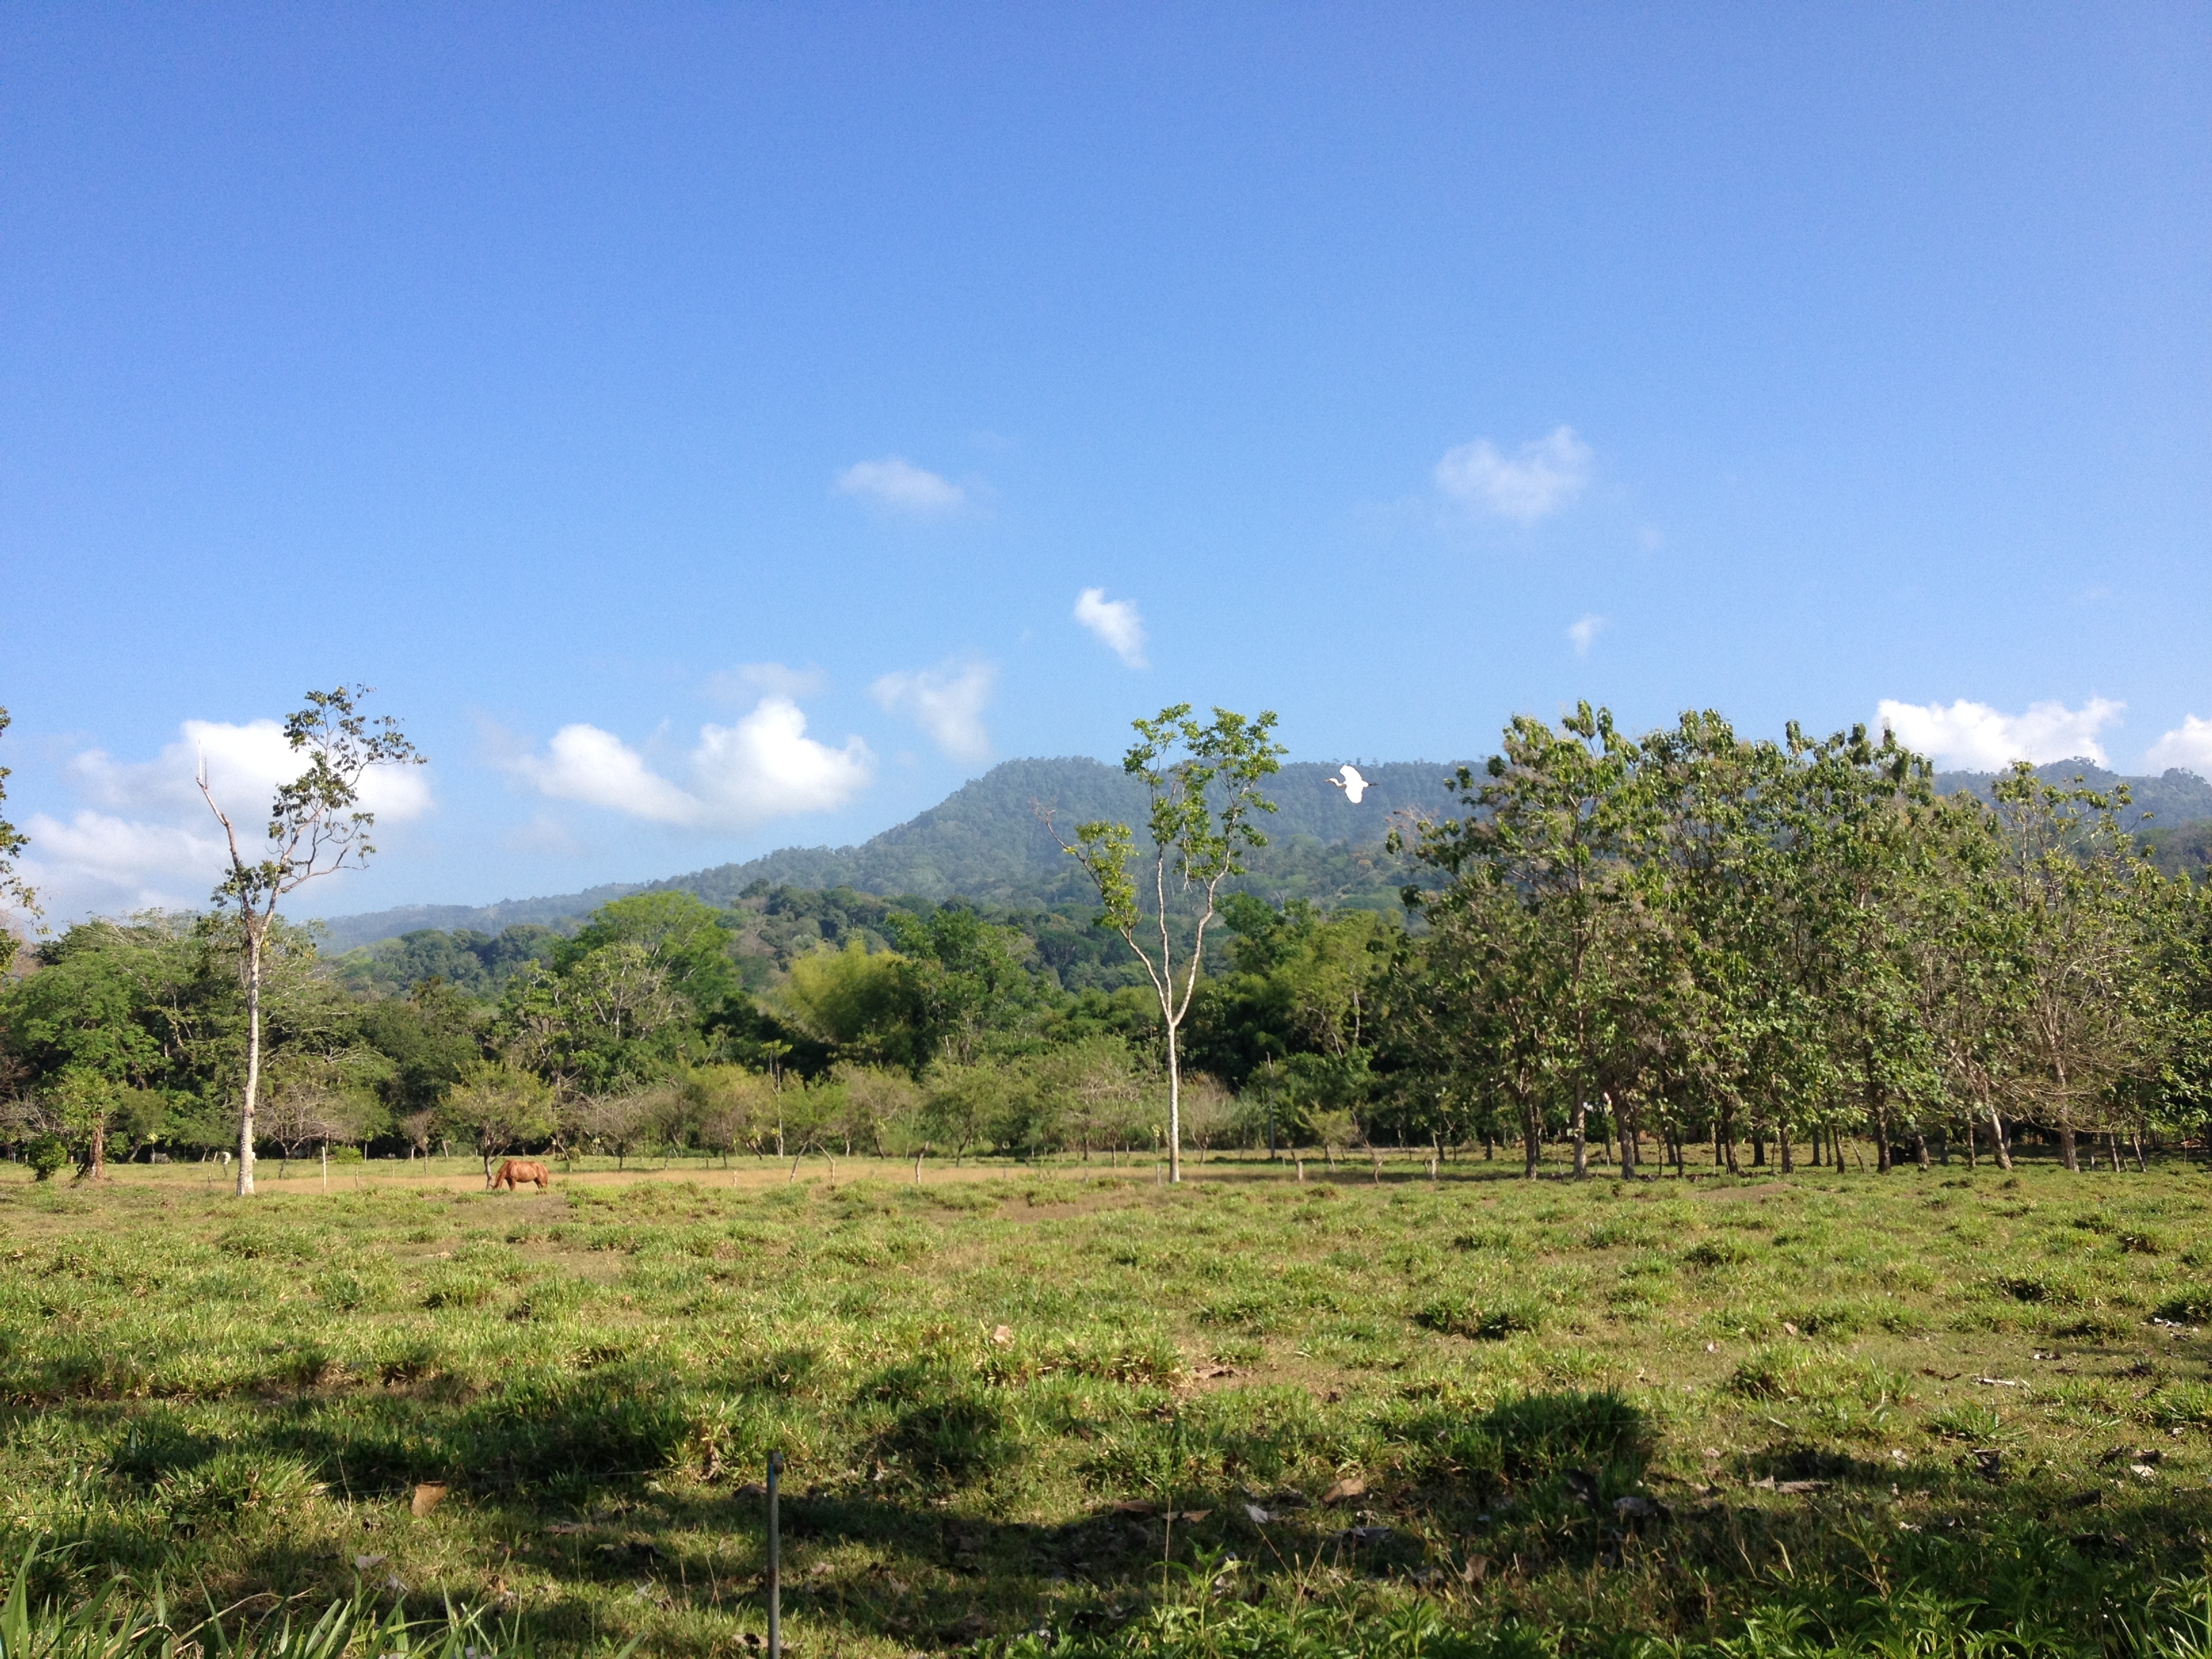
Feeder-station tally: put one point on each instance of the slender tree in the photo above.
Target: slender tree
(1203, 782)
(13, 891)
(316, 828)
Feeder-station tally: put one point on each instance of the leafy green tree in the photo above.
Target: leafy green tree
(1547, 832)
(965, 979)
(962, 1106)
(2080, 939)
(430, 1036)
(611, 1017)
(498, 1109)
(13, 889)
(865, 1004)
(1203, 782)
(316, 828)
(91, 1027)
(686, 938)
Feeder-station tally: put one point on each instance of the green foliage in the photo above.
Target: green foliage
(497, 1109)
(47, 1153)
(13, 893)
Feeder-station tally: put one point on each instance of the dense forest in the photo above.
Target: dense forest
(1613, 945)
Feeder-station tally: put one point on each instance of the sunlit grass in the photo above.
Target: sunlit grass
(1628, 1404)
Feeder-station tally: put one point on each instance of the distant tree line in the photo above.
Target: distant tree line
(1619, 948)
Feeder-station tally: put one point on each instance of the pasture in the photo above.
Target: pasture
(1065, 1405)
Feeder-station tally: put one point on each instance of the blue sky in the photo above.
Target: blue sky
(703, 425)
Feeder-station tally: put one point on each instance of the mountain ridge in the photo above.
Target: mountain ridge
(986, 841)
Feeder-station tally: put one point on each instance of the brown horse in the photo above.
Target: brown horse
(520, 1172)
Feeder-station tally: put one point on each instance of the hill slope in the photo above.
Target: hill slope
(986, 841)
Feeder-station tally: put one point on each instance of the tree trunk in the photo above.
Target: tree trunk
(2067, 1153)
(1920, 1149)
(1174, 1103)
(1880, 1105)
(98, 1171)
(252, 1058)
(1581, 1128)
(1782, 1141)
(1997, 1139)
(1531, 1141)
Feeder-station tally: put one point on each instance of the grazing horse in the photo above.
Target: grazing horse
(520, 1172)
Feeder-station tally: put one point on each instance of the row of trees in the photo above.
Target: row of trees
(1682, 935)
(1694, 933)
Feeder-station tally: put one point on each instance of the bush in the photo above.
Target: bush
(45, 1154)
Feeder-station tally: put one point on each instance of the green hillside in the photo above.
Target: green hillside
(986, 841)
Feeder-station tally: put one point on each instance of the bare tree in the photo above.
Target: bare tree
(316, 828)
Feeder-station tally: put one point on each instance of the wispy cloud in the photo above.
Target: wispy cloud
(2188, 747)
(1116, 621)
(146, 838)
(947, 702)
(1583, 632)
(897, 483)
(762, 767)
(750, 679)
(1976, 737)
(1538, 479)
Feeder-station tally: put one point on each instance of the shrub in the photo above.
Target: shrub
(45, 1154)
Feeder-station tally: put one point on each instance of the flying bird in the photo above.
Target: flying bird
(1352, 783)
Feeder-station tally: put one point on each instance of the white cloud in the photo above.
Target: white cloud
(584, 763)
(751, 678)
(1975, 737)
(245, 764)
(946, 702)
(1583, 631)
(96, 861)
(156, 844)
(764, 767)
(1114, 621)
(2188, 747)
(897, 483)
(1541, 478)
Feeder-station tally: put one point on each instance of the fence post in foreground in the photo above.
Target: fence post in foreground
(775, 1559)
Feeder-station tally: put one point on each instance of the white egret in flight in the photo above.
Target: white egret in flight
(1352, 783)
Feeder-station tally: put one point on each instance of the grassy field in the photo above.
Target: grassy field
(1029, 1406)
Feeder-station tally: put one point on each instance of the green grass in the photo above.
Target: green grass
(1556, 1416)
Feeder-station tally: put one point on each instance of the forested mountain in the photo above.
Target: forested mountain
(985, 842)
(2172, 799)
